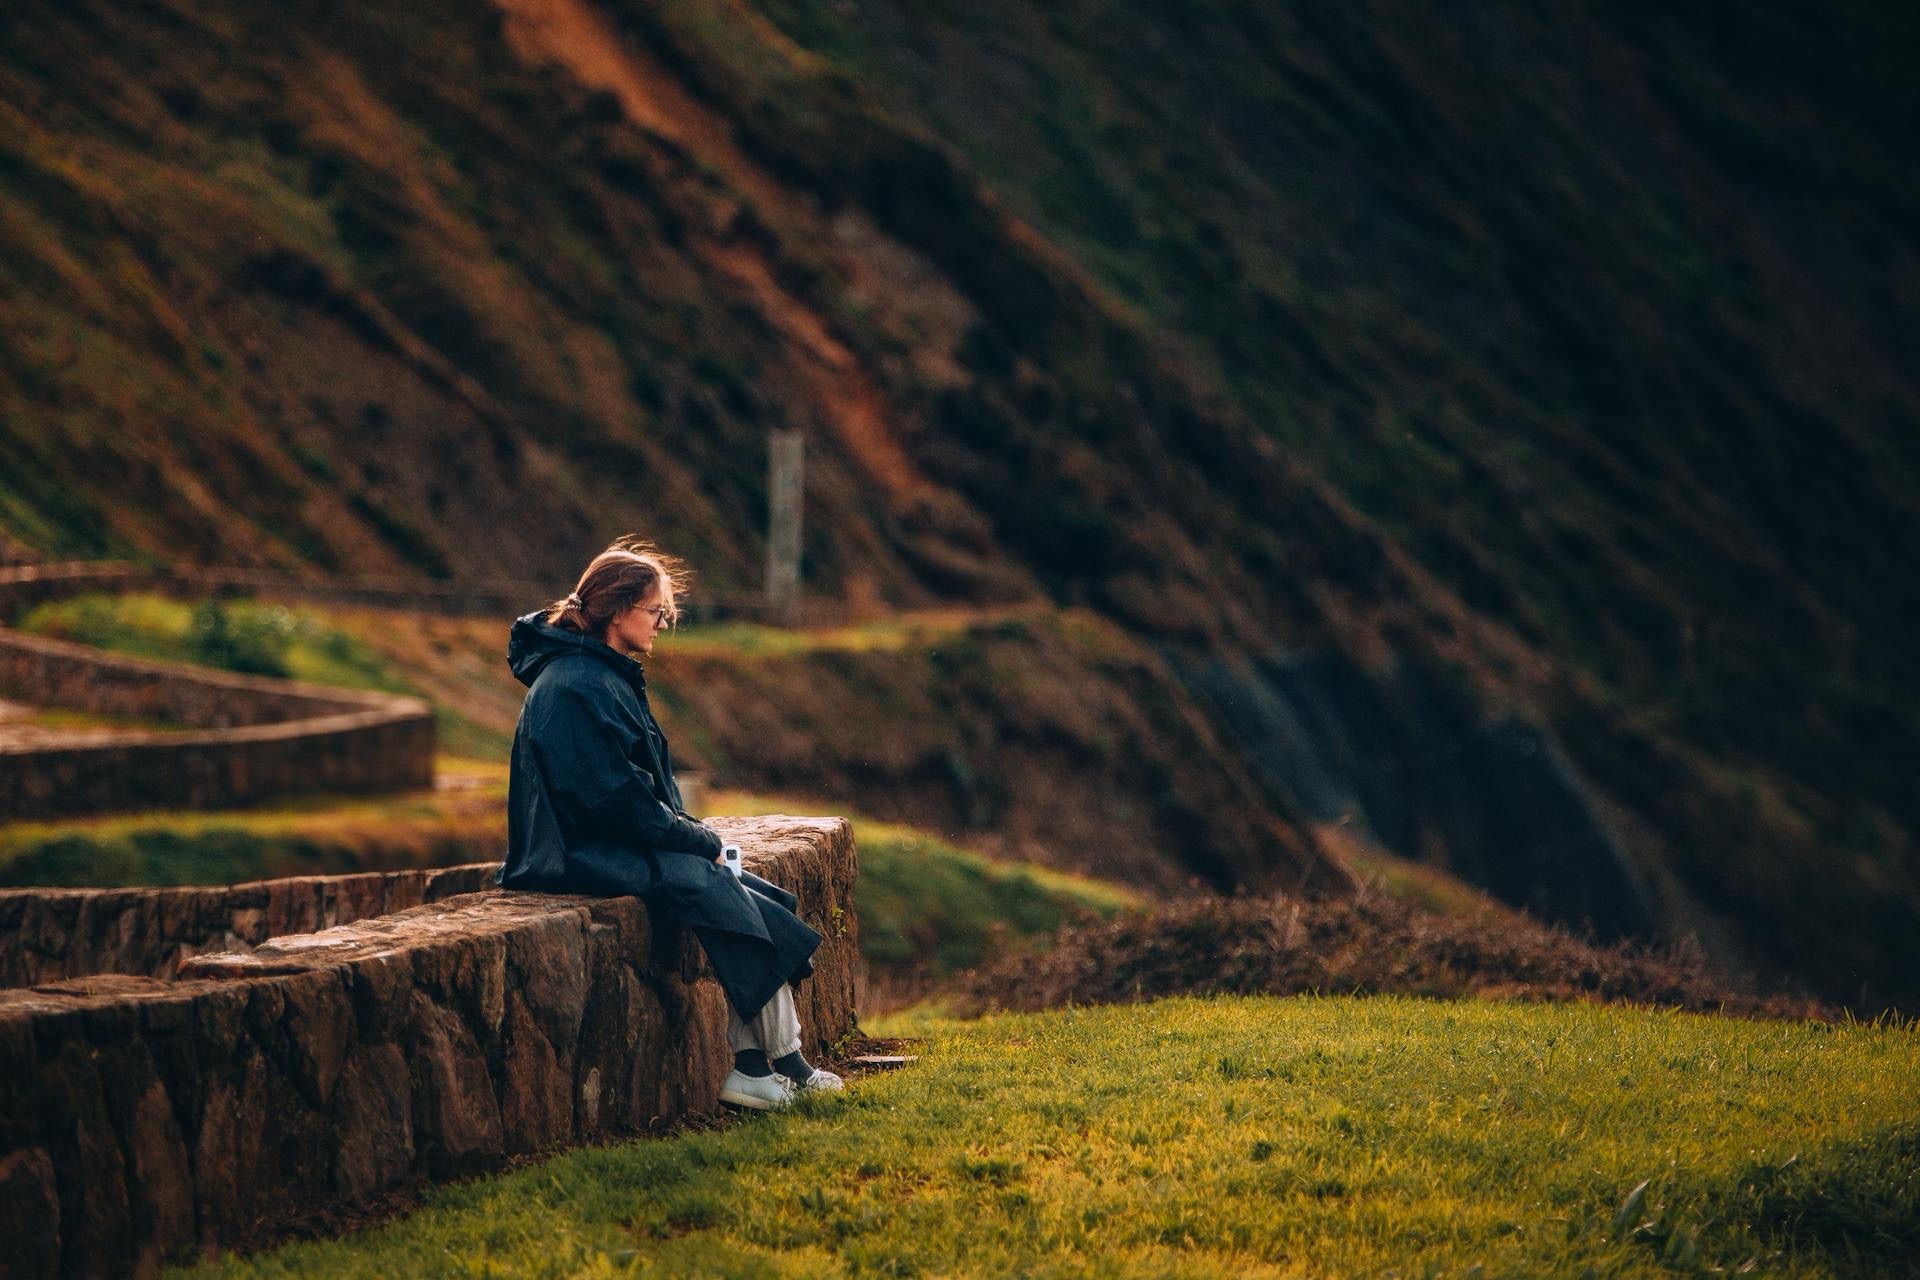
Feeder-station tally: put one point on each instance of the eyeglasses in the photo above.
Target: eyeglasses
(662, 615)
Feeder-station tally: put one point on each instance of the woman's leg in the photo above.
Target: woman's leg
(754, 1081)
(774, 1031)
(770, 1041)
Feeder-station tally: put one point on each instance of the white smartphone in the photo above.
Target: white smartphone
(730, 858)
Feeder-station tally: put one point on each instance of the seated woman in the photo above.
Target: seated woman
(592, 807)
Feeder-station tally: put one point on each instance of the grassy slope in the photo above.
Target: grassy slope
(1041, 735)
(1246, 1137)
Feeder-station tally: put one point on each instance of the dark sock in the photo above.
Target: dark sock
(794, 1067)
(751, 1062)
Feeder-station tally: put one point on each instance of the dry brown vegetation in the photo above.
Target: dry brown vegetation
(1369, 944)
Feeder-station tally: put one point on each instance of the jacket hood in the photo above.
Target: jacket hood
(533, 643)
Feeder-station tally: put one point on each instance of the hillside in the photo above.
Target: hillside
(1503, 432)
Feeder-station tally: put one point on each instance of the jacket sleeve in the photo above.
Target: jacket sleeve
(585, 742)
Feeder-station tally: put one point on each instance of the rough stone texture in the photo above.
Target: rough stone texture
(259, 737)
(52, 935)
(141, 1119)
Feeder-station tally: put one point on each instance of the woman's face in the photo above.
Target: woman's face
(632, 630)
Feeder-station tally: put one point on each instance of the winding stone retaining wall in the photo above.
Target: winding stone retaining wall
(141, 1120)
(54, 935)
(252, 737)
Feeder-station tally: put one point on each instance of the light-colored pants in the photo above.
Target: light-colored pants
(776, 1028)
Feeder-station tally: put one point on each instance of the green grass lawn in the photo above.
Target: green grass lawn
(1303, 1136)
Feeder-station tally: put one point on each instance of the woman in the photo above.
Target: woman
(592, 807)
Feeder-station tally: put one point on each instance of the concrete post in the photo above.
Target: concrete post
(785, 454)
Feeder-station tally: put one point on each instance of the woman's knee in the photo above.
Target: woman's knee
(773, 893)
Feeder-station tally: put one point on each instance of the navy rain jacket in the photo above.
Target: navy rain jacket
(592, 807)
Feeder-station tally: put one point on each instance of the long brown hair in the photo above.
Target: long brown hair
(617, 579)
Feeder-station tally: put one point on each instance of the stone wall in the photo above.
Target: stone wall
(54, 935)
(54, 673)
(142, 1120)
(256, 737)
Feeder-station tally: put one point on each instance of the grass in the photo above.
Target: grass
(246, 636)
(312, 835)
(1420, 886)
(934, 908)
(890, 634)
(1274, 1137)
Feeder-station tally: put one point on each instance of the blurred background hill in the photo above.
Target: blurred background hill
(1487, 436)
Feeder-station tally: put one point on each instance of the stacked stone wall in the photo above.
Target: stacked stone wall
(54, 935)
(143, 1120)
(253, 738)
(55, 673)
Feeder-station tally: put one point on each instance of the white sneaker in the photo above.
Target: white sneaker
(821, 1082)
(757, 1093)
